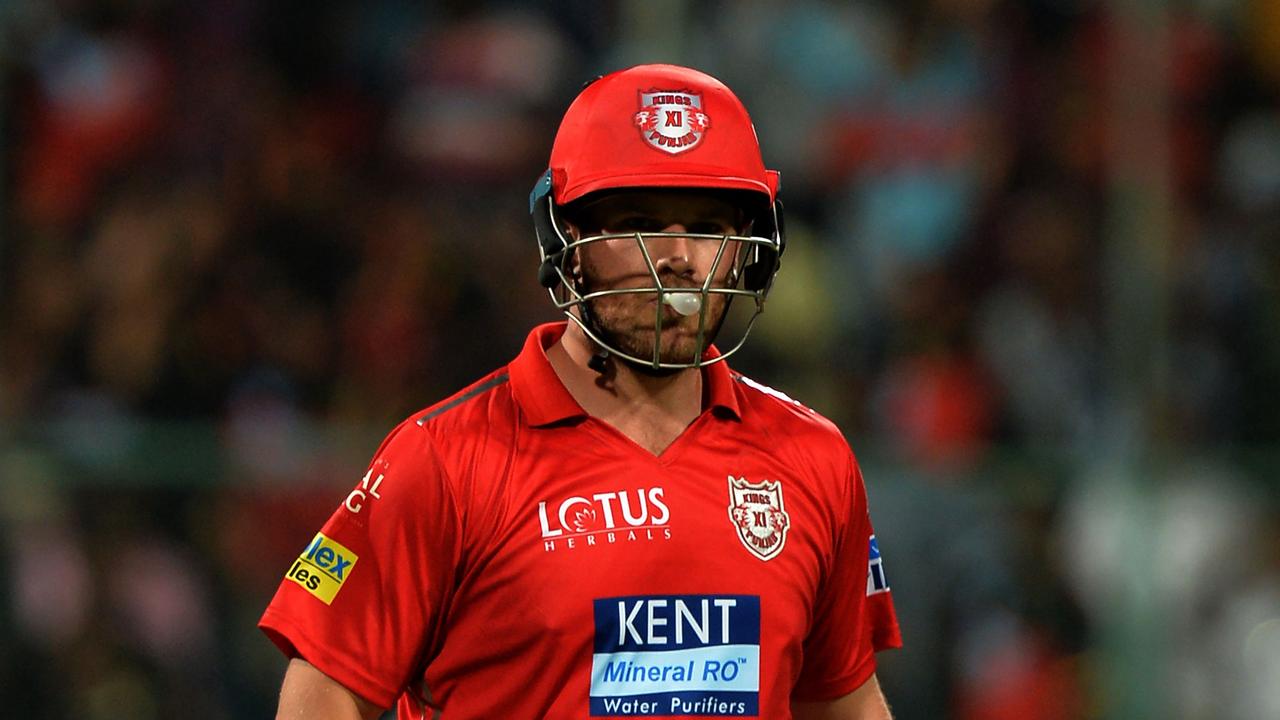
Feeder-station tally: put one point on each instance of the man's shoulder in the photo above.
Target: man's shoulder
(465, 403)
(459, 423)
(800, 439)
(781, 412)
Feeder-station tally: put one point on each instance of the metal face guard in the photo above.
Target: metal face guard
(557, 254)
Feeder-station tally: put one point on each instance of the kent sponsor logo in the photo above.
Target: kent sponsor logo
(676, 655)
(323, 567)
(604, 518)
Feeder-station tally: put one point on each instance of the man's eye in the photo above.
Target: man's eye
(643, 224)
(639, 224)
(710, 228)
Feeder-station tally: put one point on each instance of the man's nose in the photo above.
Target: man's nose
(673, 253)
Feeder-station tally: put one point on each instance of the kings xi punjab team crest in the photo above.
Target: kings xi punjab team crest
(759, 516)
(671, 120)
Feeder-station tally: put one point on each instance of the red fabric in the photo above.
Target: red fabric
(473, 592)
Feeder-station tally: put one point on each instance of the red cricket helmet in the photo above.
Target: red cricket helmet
(658, 126)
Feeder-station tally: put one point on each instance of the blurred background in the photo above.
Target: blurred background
(1033, 273)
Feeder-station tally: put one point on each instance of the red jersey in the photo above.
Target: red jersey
(507, 555)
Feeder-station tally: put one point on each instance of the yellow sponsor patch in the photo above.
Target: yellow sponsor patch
(323, 567)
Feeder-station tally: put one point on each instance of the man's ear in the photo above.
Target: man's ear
(575, 234)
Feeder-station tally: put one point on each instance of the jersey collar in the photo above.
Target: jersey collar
(545, 400)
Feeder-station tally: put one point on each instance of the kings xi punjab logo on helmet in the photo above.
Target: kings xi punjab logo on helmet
(672, 120)
(759, 516)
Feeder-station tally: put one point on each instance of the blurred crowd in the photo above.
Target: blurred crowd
(1033, 273)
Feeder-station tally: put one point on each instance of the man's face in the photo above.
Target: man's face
(680, 261)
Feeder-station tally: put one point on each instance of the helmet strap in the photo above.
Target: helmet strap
(599, 361)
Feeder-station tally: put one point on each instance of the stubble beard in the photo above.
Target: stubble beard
(628, 323)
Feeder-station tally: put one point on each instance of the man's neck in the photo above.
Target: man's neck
(651, 410)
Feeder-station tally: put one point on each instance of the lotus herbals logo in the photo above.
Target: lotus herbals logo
(672, 120)
(758, 514)
(604, 518)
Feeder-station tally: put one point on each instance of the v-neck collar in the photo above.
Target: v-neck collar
(544, 400)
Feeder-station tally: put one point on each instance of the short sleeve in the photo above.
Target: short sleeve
(854, 616)
(363, 602)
